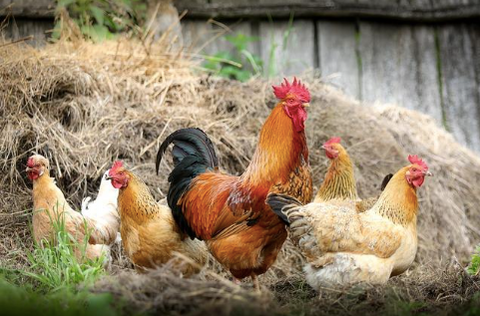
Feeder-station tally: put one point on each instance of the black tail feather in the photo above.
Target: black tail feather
(385, 181)
(188, 141)
(281, 203)
(193, 153)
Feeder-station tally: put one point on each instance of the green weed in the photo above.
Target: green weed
(54, 266)
(55, 282)
(240, 64)
(474, 266)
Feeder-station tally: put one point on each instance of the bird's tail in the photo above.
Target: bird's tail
(189, 142)
(283, 205)
(385, 181)
(193, 154)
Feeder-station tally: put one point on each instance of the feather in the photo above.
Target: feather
(281, 204)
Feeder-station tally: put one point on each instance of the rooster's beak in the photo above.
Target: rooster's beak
(428, 173)
(306, 105)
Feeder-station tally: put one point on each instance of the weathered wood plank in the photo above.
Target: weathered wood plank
(287, 51)
(21, 28)
(460, 85)
(419, 10)
(399, 66)
(337, 54)
(425, 72)
(28, 8)
(198, 36)
(207, 38)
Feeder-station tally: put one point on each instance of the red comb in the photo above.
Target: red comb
(116, 165)
(414, 160)
(333, 140)
(296, 88)
(30, 162)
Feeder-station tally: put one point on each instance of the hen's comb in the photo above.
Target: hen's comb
(333, 140)
(116, 165)
(414, 160)
(296, 88)
(31, 162)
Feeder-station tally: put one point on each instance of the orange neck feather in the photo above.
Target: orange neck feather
(280, 149)
(398, 201)
(339, 181)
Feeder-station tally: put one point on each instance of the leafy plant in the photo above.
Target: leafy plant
(102, 19)
(56, 281)
(54, 265)
(474, 266)
(240, 64)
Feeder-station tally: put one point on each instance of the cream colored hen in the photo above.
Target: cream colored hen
(343, 246)
(50, 208)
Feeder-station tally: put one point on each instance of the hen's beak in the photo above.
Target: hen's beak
(107, 177)
(306, 105)
(28, 169)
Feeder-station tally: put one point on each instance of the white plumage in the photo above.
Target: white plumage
(104, 210)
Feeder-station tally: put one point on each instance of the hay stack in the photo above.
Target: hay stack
(84, 105)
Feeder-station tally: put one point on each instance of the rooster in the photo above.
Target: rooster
(50, 207)
(343, 246)
(339, 183)
(149, 233)
(229, 212)
(104, 209)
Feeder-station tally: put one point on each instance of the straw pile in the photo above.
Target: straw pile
(85, 105)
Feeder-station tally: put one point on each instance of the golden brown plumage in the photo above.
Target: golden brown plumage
(339, 183)
(149, 233)
(50, 208)
(229, 212)
(343, 246)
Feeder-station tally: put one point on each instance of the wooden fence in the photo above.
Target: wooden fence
(420, 54)
(431, 68)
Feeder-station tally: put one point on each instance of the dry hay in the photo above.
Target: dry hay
(85, 105)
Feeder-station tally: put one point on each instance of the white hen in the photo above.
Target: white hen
(104, 210)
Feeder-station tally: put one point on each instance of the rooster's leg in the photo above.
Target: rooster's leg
(256, 284)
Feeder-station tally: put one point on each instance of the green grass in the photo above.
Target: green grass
(474, 266)
(54, 266)
(15, 300)
(55, 282)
